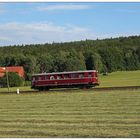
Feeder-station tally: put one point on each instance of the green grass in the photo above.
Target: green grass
(120, 78)
(71, 114)
(14, 89)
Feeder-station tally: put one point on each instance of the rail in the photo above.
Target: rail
(94, 89)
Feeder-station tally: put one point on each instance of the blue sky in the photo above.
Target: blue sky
(31, 23)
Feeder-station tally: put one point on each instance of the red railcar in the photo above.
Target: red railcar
(81, 79)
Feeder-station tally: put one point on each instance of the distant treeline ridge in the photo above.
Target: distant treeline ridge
(106, 55)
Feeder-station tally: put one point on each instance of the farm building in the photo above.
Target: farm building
(17, 69)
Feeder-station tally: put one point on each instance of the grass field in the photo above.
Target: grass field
(71, 114)
(120, 78)
(25, 88)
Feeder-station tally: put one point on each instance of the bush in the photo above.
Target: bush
(27, 83)
(14, 80)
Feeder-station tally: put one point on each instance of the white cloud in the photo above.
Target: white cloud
(38, 33)
(127, 10)
(32, 33)
(2, 9)
(63, 7)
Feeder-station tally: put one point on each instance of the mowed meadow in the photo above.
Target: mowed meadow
(80, 113)
(74, 113)
(120, 78)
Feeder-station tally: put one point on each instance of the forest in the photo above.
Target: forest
(104, 55)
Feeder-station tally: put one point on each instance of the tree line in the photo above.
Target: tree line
(105, 55)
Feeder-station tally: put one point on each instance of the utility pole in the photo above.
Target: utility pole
(7, 78)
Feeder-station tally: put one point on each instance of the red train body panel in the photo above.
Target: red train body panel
(65, 79)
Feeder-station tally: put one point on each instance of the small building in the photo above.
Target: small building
(17, 69)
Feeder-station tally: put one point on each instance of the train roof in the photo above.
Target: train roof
(65, 72)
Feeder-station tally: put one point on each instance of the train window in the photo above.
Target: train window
(59, 77)
(74, 75)
(81, 75)
(36, 78)
(47, 77)
(52, 78)
(66, 76)
(33, 78)
(89, 74)
(39, 78)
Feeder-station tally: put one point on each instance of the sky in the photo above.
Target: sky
(47, 22)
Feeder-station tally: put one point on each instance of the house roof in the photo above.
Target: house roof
(2, 74)
(17, 69)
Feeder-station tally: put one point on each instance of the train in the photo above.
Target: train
(71, 79)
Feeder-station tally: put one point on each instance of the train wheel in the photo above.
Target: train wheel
(84, 87)
(43, 88)
(47, 89)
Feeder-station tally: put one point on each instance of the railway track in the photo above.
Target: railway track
(117, 88)
(94, 89)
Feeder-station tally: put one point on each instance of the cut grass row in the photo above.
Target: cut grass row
(71, 114)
